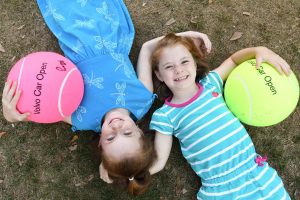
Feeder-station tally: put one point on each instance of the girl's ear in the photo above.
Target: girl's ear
(158, 75)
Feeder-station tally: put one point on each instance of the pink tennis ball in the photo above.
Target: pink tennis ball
(52, 86)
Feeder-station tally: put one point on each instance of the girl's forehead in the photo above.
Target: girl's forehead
(174, 51)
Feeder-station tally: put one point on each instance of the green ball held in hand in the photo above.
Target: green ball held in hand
(260, 96)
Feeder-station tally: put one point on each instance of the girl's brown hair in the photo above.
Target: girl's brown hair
(135, 168)
(198, 53)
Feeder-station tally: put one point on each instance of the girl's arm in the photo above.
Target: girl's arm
(144, 69)
(262, 54)
(197, 37)
(10, 98)
(163, 145)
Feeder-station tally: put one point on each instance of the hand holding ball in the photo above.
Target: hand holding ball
(260, 97)
(51, 85)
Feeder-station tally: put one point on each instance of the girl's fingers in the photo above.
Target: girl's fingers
(207, 43)
(6, 88)
(280, 65)
(16, 98)
(23, 117)
(259, 60)
(277, 65)
(12, 90)
(285, 67)
(104, 175)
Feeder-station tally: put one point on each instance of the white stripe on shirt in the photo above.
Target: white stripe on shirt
(225, 161)
(192, 104)
(237, 188)
(204, 125)
(212, 133)
(201, 116)
(230, 180)
(162, 123)
(259, 188)
(273, 191)
(232, 169)
(223, 151)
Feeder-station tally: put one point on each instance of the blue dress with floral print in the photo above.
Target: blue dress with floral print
(97, 36)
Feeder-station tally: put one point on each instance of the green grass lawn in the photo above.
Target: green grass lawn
(36, 161)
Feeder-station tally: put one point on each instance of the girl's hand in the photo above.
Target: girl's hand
(10, 98)
(197, 37)
(264, 54)
(104, 174)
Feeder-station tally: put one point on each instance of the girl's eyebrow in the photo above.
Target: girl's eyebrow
(185, 57)
(167, 63)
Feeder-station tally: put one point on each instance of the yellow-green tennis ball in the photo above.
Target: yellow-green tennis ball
(260, 97)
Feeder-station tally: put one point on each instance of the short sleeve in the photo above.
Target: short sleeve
(213, 78)
(161, 123)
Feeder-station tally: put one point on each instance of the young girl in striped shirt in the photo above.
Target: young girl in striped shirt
(212, 139)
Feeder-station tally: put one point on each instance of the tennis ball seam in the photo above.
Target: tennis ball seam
(61, 91)
(249, 96)
(20, 74)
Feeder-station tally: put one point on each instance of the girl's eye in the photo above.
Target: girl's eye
(110, 138)
(127, 133)
(185, 62)
(168, 67)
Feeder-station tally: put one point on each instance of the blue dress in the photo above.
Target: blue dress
(97, 36)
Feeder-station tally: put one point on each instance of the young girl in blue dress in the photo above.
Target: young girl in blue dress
(97, 36)
(212, 139)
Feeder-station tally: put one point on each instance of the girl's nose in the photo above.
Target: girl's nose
(177, 69)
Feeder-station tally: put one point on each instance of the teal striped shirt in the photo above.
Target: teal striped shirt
(212, 140)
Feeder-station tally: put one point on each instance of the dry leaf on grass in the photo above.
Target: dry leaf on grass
(2, 48)
(2, 134)
(90, 177)
(194, 20)
(74, 139)
(236, 35)
(210, 1)
(79, 184)
(20, 27)
(84, 182)
(184, 191)
(170, 21)
(246, 13)
(1, 181)
(13, 59)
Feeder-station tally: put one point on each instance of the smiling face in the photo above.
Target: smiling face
(176, 68)
(120, 136)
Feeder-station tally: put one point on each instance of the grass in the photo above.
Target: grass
(35, 160)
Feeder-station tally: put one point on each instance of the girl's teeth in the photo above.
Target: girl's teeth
(182, 78)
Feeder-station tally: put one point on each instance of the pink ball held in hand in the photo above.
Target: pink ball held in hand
(52, 86)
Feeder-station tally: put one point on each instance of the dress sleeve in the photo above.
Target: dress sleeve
(161, 123)
(214, 79)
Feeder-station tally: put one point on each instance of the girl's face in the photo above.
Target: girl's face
(119, 136)
(176, 68)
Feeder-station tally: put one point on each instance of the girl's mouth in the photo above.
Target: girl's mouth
(113, 120)
(182, 78)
